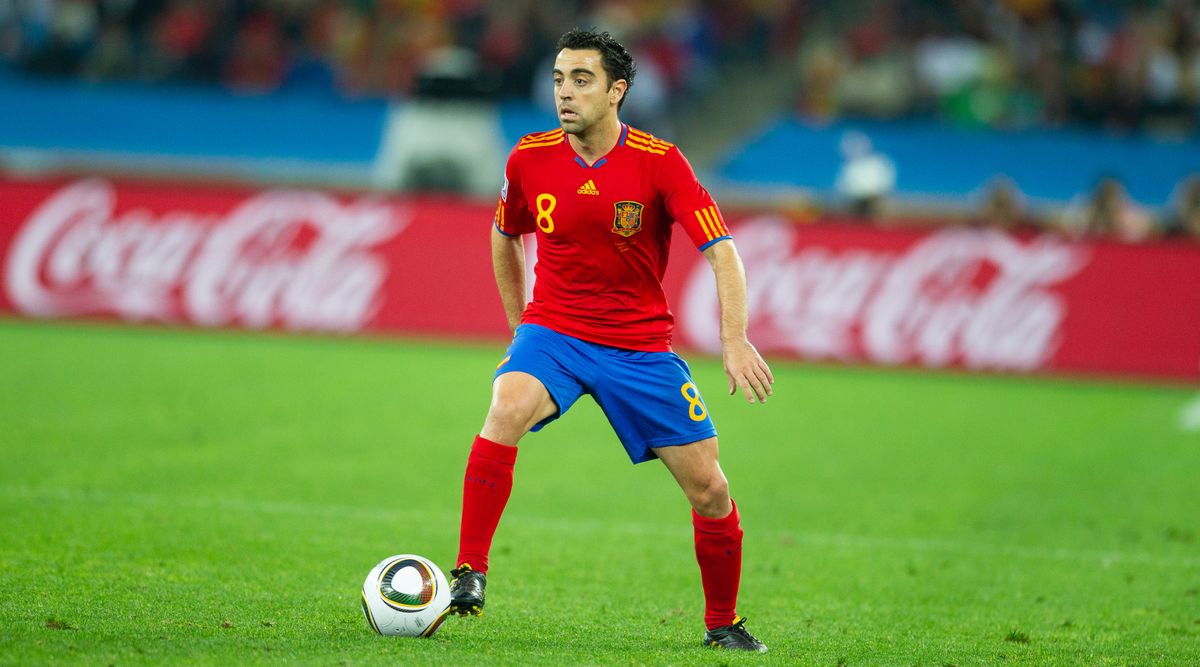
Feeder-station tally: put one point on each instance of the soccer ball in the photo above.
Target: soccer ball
(405, 596)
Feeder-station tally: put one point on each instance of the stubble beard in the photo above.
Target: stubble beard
(576, 127)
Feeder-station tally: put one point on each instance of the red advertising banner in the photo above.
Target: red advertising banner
(965, 298)
(311, 261)
(221, 257)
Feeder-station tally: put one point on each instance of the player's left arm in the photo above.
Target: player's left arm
(744, 367)
(690, 205)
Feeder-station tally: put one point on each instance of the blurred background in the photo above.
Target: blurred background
(969, 191)
(1073, 120)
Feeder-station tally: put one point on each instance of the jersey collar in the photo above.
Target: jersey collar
(598, 163)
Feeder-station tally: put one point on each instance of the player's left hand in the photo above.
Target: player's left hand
(745, 368)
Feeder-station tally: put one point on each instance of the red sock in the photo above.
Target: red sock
(719, 553)
(486, 488)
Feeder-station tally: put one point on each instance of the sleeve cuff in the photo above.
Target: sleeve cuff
(503, 232)
(710, 243)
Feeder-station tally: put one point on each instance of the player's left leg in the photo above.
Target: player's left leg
(657, 412)
(718, 539)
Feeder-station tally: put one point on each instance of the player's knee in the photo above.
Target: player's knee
(711, 496)
(512, 411)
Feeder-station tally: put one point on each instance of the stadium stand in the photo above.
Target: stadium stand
(1049, 97)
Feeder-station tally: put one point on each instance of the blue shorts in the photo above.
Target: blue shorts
(648, 397)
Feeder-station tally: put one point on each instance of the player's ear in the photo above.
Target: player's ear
(617, 91)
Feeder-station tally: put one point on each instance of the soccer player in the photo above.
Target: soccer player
(601, 197)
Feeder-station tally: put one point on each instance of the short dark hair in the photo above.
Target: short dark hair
(618, 64)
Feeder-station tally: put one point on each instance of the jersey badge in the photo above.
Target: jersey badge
(628, 220)
(504, 190)
(588, 188)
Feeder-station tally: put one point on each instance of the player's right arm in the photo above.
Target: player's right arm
(508, 251)
(508, 263)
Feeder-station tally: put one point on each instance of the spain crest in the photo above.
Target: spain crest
(628, 220)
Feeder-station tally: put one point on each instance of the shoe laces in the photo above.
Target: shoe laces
(739, 627)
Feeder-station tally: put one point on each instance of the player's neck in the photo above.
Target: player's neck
(597, 141)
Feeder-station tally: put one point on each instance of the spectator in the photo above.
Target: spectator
(258, 61)
(112, 56)
(1184, 219)
(1109, 212)
(1003, 207)
(72, 26)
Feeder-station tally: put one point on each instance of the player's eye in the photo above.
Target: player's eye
(580, 82)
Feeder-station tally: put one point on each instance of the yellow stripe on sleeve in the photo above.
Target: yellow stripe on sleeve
(703, 224)
(649, 139)
(539, 144)
(637, 143)
(722, 230)
(542, 136)
(713, 222)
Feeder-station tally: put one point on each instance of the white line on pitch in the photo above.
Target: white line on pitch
(1104, 558)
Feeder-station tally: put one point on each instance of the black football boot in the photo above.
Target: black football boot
(735, 637)
(466, 591)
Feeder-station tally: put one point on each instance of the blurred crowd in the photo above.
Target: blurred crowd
(866, 190)
(1105, 212)
(1006, 63)
(374, 48)
(1010, 63)
(1123, 65)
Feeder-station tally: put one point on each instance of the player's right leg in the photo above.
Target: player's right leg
(538, 381)
(519, 401)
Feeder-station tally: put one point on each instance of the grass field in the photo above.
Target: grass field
(217, 498)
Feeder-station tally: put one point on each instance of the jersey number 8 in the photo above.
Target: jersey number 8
(695, 406)
(545, 206)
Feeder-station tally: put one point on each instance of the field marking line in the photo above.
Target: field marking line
(1104, 558)
(300, 508)
(1189, 416)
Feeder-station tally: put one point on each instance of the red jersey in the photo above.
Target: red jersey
(603, 233)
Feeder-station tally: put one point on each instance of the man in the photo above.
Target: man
(601, 197)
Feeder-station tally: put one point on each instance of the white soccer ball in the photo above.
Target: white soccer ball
(406, 596)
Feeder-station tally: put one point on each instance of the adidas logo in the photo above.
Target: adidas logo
(588, 188)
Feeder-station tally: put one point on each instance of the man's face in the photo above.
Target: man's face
(582, 94)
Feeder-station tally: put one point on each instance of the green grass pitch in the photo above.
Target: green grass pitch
(174, 497)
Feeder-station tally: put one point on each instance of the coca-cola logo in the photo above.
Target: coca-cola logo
(979, 298)
(296, 259)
